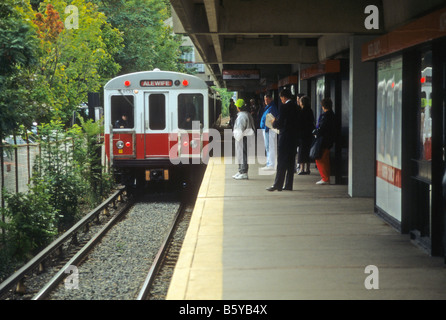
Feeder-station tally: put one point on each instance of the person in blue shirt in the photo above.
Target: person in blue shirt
(269, 136)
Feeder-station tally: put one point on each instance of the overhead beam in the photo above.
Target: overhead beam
(231, 17)
(212, 8)
(269, 51)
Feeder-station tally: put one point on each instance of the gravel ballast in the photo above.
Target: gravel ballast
(117, 267)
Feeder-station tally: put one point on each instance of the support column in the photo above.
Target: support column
(362, 122)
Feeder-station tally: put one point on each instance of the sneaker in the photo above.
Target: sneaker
(236, 175)
(242, 176)
(271, 168)
(322, 182)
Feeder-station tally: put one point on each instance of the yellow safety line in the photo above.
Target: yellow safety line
(198, 274)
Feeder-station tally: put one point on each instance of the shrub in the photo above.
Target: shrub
(31, 222)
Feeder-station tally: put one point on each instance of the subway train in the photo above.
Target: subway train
(157, 126)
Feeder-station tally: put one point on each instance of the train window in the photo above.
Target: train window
(157, 112)
(122, 111)
(190, 108)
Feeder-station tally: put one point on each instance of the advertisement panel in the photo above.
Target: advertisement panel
(388, 136)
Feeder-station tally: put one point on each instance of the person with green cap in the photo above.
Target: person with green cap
(244, 126)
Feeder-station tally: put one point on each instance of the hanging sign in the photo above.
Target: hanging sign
(241, 74)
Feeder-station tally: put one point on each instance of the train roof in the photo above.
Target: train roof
(155, 79)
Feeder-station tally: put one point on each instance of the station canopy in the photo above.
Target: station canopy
(253, 44)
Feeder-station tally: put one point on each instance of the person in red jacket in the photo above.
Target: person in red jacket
(325, 129)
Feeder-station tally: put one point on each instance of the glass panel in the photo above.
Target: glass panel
(190, 108)
(122, 112)
(388, 136)
(157, 112)
(425, 125)
(320, 95)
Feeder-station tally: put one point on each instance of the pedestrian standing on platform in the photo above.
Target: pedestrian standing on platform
(243, 127)
(232, 113)
(325, 129)
(254, 109)
(260, 110)
(288, 123)
(269, 136)
(306, 136)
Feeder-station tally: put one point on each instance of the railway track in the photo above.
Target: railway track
(161, 279)
(112, 264)
(23, 283)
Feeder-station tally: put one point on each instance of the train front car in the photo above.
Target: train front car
(156, 125)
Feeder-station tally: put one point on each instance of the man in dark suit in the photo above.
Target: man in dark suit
(288, 123)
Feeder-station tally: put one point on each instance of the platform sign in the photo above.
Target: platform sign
(241, 74)
(388, 136)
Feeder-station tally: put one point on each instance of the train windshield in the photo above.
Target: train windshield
(190, 108)
(122, 110)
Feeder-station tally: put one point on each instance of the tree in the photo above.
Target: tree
(31, 222)
(225, 97)
(17, 52)
(73, 61)
(149, 43)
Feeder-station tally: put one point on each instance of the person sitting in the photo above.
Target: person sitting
(122, 123)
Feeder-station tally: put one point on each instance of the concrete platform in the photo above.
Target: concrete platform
(314, 242)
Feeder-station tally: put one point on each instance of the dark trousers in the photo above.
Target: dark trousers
(285, 168)
(243, 167)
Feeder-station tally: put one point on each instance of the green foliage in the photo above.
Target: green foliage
(148, 42)
(69, 166)
(88, 155)
(58, 172)
(31, 222)
(46, 69)
(67, 181)
(17, 53)
(225, 96)
(73, 61)
(16, 38)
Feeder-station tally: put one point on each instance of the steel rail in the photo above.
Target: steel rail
(78, 257)
(34, 263)
(156, 264)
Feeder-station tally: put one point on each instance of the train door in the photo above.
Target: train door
(122, 133)
(156, 126)
(190, 111)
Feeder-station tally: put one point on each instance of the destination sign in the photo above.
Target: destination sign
(156, 83)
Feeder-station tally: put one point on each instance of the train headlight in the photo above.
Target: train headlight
(120, 144)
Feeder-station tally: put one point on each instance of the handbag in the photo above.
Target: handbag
(316, 148)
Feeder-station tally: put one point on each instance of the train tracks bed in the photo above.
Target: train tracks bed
(116, 269)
